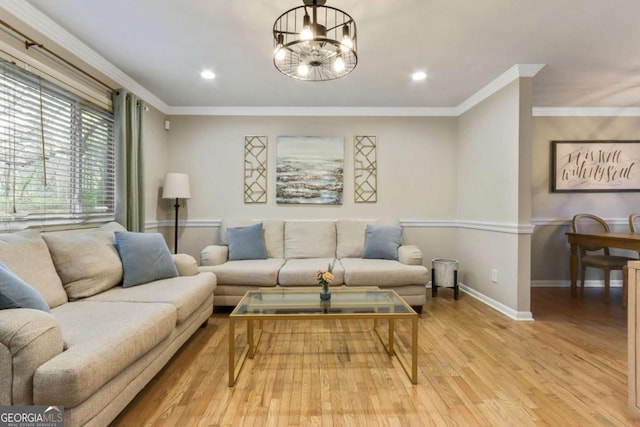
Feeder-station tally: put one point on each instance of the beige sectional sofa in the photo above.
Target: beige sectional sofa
(297, 249)
(101, 343)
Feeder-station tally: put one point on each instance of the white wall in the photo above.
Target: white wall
(416, 173)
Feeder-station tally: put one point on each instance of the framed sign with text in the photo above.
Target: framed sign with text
(595, 166)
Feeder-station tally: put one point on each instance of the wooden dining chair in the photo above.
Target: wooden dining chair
(634, 223)
(587, 223)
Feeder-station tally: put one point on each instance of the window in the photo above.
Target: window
(57, 154)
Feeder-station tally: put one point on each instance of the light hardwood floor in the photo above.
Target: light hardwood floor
(476, 368)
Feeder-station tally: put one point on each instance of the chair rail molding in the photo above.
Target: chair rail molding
(407, 223)
(566, 222)
(189, 223)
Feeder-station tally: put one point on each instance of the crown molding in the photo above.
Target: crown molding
(43, 24)
(513, 73)
(315, 111)
(586, 112)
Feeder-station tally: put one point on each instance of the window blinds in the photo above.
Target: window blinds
(57, 153)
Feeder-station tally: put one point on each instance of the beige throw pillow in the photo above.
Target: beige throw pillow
(26, 255)
(88, 263)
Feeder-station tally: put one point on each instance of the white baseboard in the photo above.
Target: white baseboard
(498, 306)
(507, 311)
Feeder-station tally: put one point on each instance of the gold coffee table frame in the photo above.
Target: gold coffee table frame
(304, 304)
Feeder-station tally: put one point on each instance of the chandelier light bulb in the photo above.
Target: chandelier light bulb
(306, 34)
(338, 64)
(346, 42)
(281, 54)
(303, 69)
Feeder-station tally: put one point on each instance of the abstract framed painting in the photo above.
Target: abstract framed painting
(309, 170)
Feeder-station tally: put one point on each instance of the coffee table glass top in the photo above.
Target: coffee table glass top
(344, 301)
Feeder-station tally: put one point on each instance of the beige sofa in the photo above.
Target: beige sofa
(101, 343)
(297, 249)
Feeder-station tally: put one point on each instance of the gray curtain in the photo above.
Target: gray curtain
(128, 114)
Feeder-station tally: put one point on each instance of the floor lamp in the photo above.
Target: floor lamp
(176, 186)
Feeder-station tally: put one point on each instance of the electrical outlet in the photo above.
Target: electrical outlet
(494, 275)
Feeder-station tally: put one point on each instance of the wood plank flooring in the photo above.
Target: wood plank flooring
(476, 368)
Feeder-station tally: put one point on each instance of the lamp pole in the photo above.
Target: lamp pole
(175, 229)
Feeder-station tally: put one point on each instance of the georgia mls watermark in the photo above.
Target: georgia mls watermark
(31, 416)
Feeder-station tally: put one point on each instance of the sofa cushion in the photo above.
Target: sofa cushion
(273, 234)
(382, 272)
(382, 242)
(186, 293)
(300, 272)
(87, 263)
(257, 272)
(145, 257)
(101, 340)
(26, 254)
(350, 235)
(309, 239)
(16, 293)
(246, 243)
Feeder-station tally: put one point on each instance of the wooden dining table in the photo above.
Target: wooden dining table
(611, 240)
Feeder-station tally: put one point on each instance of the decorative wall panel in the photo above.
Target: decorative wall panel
(365, 170)
(255, 169)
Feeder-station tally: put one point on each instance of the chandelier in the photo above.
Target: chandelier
(315, 42)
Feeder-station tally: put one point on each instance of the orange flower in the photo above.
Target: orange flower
(327, 276)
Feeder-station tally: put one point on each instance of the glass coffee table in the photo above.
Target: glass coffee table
(304, 304)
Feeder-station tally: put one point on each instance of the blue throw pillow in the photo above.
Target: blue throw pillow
(381, 242)
(16, 293)
(246, 243)
(145, 258)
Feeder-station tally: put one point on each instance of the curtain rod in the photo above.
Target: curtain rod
(29, 42)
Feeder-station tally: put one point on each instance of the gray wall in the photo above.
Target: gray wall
(155, 152)
(551, 212)
(469, 185)
(416, 173)
(493, 179)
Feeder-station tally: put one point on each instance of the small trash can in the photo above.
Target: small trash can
(444, 274)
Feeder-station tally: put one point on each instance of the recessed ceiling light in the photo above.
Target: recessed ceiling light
(419, 75)
(207, 74)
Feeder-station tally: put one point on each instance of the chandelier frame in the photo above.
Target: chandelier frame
(328, 48)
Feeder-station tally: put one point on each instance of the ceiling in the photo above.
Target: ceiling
(591, 49)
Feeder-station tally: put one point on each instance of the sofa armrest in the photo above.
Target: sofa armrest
(410, 255)
(214, 255)
(186, 264)
(28, 339)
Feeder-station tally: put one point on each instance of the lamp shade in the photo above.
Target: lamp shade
(176, 186)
